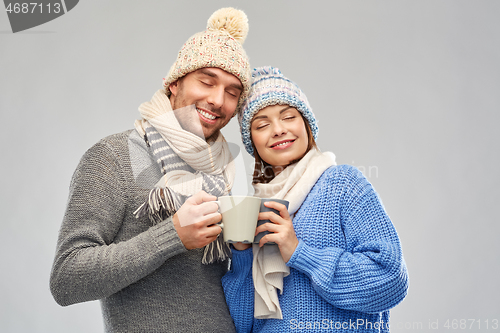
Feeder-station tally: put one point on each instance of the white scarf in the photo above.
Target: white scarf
(211, 158)
(268, 269)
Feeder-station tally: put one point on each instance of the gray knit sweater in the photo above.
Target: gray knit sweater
(144, 277)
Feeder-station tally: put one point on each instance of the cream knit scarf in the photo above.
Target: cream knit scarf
(268, 269)
(212, 164)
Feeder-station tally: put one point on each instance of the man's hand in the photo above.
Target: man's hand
(196, 220)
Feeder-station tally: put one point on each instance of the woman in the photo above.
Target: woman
(337, 263)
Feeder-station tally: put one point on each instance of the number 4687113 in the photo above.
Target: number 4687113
(469, 324)
(33, 7)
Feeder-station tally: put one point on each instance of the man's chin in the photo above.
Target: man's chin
(210, 131)
(211, 136)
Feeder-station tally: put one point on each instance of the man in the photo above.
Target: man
(139, 230)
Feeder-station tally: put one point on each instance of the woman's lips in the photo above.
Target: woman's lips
(282, 144)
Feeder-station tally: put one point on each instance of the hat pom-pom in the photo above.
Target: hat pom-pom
(233, 21)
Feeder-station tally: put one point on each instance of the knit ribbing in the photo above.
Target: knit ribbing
(239, 288)
(240, 258)
(166, 238)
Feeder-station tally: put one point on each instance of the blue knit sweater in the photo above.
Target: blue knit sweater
(347, 271)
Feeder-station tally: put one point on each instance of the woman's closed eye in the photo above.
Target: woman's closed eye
(261, 126)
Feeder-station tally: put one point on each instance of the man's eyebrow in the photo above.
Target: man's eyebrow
(208, 72)
(236, 86)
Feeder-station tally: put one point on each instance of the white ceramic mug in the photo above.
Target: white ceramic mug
(239, 218)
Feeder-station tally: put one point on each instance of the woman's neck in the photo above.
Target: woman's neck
(277, 169)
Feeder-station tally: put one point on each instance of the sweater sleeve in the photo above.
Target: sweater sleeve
(371, 277)
(239, 290)
(89, 263)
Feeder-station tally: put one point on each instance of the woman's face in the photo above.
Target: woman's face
(279, 135)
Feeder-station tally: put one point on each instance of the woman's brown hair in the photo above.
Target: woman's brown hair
(263, 172)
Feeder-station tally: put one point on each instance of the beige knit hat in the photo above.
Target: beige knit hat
(220, 45)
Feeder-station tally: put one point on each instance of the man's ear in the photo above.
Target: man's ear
(174, 87)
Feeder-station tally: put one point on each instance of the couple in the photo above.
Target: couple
(140, 231)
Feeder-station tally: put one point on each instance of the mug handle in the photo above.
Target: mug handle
(218, 204)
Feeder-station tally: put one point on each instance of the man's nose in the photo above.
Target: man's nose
(216, 97)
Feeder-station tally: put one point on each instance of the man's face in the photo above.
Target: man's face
(213, 91)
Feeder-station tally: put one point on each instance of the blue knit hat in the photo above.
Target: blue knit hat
(270, 87)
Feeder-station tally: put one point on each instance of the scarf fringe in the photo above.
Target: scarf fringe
(158, 207)
(217, 251)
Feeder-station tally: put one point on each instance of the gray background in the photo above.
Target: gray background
(408, 91)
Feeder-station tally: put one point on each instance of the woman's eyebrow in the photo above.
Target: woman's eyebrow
(281, 111)
(286, 108)
(259, 117)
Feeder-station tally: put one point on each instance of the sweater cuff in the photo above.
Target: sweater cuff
(307, 259)
(166, 238)
(241, 260)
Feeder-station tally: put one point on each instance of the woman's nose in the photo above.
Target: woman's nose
(279, 129)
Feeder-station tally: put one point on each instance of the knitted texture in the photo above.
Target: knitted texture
(143, 275)
(270, 87)
(347, 271)
(220, 46)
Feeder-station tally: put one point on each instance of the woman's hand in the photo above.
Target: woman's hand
(281, 228)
